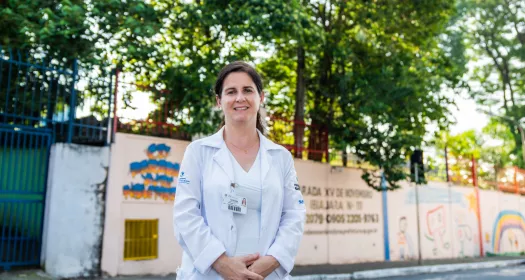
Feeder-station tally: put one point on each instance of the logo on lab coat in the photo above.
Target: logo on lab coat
(182, 179)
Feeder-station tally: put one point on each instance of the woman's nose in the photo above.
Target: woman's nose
(240, 97)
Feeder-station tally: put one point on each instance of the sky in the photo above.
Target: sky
(465, 113)
(466, 116)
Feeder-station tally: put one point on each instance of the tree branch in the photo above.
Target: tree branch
(520, 35)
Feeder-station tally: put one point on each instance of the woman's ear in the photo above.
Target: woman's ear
(262, 97)
(218, 100)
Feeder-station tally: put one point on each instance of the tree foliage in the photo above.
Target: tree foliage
(495, 36)
(492, 149)
(369, 72)
(374, 77)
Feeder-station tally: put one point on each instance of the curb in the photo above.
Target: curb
(406, 271)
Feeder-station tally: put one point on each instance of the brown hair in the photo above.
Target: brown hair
(240, 66)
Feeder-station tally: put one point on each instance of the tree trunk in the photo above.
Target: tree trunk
(318, 140)
(315, 141)
(518, 150)
(300, 97)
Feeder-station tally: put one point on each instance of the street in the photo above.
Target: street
(510, 273)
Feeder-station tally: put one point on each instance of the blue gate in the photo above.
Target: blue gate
(23, 172)
(41, 103)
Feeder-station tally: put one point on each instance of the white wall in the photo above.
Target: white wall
(313, 181)
(447, 218)
(402, 224)
(344, 222)
(448, 215)
(74, 210)
(123, 203)
(357, 208)
(503, 223)
(464, 221)
(362, 219)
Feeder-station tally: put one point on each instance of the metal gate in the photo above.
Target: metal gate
(23, 173)
(42, 102)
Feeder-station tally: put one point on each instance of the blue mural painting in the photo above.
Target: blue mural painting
(156, 173)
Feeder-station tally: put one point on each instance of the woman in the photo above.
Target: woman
(221, 237)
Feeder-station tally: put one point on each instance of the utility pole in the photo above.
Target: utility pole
(417, 215)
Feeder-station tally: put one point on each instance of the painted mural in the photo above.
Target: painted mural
(405, 242)
(466, 239)
(503, 223)
(508, 235)
(437, 229)
(153, 178)
(448, 217)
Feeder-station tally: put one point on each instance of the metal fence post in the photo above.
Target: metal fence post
(72, 102)
(516, 187)
(109, 129)
(446, 163)
(115, 96)
(478, 213)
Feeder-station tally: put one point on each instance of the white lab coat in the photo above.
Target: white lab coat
(205, 231)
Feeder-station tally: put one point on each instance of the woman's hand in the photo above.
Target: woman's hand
(235, 268)
(264, 266)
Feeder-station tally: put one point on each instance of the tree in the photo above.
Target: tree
(208, 35)
(97, 33)
(368, 80)
(462, 148)
(496, 38)
(54, 34)
(492, 149)
(500, 153)
(369, 73)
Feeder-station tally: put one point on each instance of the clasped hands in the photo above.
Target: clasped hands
(250, 267)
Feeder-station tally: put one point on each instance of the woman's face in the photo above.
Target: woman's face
(240, 100)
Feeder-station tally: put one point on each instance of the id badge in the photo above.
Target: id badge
(234, 203)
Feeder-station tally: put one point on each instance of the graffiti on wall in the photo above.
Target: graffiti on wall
(404, 241)
(154, 175)
(464, 234)
(449, 219)
(508, 234)
(436, 229)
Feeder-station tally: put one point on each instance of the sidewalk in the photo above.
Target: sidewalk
(321, 271)
(351, 268)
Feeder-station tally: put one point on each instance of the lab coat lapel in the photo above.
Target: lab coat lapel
(223, 159)
(266, 158)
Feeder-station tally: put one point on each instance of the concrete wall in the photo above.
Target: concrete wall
(503, 224)
(449, 222)
(447, 219)
(402, 224)
(345, 223)
(72, 238)
(131, 195)
(341, 209)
